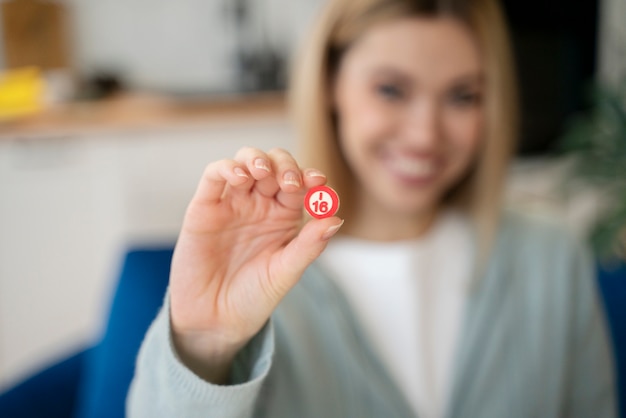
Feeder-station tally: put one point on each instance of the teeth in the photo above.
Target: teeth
(413, 167)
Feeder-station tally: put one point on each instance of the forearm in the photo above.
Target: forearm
(164, 386)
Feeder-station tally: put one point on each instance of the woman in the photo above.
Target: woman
(432, 301)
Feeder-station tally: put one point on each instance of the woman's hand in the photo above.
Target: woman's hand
(239, 252)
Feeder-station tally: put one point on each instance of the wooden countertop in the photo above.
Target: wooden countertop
(142, 111)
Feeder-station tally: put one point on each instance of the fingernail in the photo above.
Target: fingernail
(291, 178)
(240, 172)
(260, 163)
(332, 231)
(314, 173)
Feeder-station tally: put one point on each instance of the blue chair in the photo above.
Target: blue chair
(612, 284)
(93, 383)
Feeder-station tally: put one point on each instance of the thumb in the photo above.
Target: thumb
(307, 246)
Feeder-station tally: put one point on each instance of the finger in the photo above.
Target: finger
(216, 177)
(295, 200)
(286, 169)
(260, 168)
(313, 177)
(289, 177)
(302, 251)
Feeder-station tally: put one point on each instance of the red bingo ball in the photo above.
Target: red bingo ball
(321, 202)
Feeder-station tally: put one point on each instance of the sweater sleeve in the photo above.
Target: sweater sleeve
(164, 387)
(591, 380)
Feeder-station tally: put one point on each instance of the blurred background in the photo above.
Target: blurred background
(109, 111)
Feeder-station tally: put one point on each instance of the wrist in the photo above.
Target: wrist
(205, 355)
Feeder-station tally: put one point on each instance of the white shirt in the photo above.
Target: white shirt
(409, 297)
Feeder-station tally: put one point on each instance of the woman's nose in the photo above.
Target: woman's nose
(422, 124)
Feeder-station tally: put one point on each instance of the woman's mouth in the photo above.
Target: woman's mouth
(412, 170)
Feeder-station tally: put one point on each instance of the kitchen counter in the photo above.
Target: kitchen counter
(135, 111)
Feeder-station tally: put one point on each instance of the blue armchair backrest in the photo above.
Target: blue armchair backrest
(110, 365)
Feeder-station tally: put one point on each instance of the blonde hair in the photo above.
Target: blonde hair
(479, 193)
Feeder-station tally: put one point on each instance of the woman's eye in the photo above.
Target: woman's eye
(464, 98)
(390, 92)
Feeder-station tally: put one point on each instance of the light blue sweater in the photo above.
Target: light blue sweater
(534, 344)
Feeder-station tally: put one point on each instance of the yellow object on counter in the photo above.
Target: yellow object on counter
(21, 92)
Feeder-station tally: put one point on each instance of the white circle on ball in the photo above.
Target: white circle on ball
(320, 202)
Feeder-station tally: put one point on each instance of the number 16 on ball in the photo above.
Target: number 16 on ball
(321, 202)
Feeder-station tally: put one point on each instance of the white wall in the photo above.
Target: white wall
(158, 44)
(182, 45)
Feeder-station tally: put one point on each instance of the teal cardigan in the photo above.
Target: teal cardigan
(534, 344)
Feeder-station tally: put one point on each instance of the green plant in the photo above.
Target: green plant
(596, 141)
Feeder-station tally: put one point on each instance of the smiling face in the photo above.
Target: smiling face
(408, 99)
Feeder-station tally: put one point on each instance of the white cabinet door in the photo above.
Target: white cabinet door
(50, 245)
